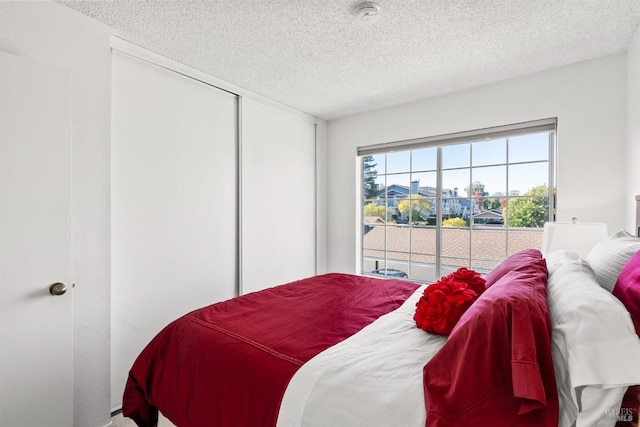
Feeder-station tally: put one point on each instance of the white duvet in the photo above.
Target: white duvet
(373, 378)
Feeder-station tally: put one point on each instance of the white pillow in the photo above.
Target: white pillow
(594, 345)
(609, 256)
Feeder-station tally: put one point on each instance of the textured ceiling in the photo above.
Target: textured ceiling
(313, 55)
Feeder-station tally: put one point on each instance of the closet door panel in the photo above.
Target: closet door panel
(174, 203)
(278, 197)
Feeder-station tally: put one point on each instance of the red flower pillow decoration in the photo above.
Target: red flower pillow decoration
(443, 303)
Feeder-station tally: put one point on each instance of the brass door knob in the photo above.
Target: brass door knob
(57, 289)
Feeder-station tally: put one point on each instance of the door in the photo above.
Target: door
(278, 190)
(173, 203)
(36, 352)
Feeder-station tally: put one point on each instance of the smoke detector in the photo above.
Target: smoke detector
(367, 12)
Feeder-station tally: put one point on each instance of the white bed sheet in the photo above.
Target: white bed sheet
(382, 367)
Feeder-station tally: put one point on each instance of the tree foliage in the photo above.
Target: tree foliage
(532, 210)
(454, 222)
(419, 206)
(370, 173)
(477, 191)
(476, 188)
(495, 201)
(371, 209)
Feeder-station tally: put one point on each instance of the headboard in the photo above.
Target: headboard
(638, 216)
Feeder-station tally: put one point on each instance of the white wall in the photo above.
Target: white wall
(633, 129)
(589, 100)
(321, 197)
(53, 34)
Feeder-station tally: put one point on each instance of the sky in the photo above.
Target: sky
(483, 161)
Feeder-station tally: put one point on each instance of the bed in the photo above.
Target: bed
(545, 341)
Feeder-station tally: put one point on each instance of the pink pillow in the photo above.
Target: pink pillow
(514, 262)
(627, 289)
(496, 368)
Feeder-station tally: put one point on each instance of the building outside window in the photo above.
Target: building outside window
(472, 199)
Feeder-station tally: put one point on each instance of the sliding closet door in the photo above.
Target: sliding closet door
(174, 203)
(278, 197)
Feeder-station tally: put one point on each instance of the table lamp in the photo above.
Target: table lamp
(575, 236)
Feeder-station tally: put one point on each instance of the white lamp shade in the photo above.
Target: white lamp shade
(579, 237)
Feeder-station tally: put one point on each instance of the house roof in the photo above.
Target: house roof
(490, 214)
(315, 56)
(404, 190)
(370, 220)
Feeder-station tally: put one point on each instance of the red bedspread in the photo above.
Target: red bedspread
(229, 364)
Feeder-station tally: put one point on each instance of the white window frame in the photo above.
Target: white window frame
(512, 130)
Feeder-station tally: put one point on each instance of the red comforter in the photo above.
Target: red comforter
(229, 364)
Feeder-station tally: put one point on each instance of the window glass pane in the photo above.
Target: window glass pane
(423, 254)
(527, 148)
(457, 180)
(374, 236)
(528, 211)
(397, 190)
(483, 266)
(423, 240)
(423, 268)
(527, 177)
(455, 249)
(376, 212)
(490, 180)
(374, 164)
(524, 238)
(395, 268)
(417, 209)
(398, 240)
(426, 183)
(456, 207)
(489, 243)
(493, 203)
(424, 159)
(373, 189)
(373, 260)
(489, 152)
(423, 196)
(455, 156)
(398, 184)
(398, 162)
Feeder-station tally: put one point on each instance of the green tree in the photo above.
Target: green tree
(420, 207)
(495, 201)
(478, 193)
(532, 210)
(454, 222)
(371, 209)
(370, 174)
(474, 188)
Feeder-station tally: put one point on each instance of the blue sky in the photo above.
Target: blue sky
(482, 161)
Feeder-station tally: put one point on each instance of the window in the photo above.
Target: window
(470, 200)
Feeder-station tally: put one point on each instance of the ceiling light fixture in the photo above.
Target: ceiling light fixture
(367, 12)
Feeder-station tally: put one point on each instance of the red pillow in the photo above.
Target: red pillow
(444, 302)
(627, 289)
(514, 262)
(496, 368)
